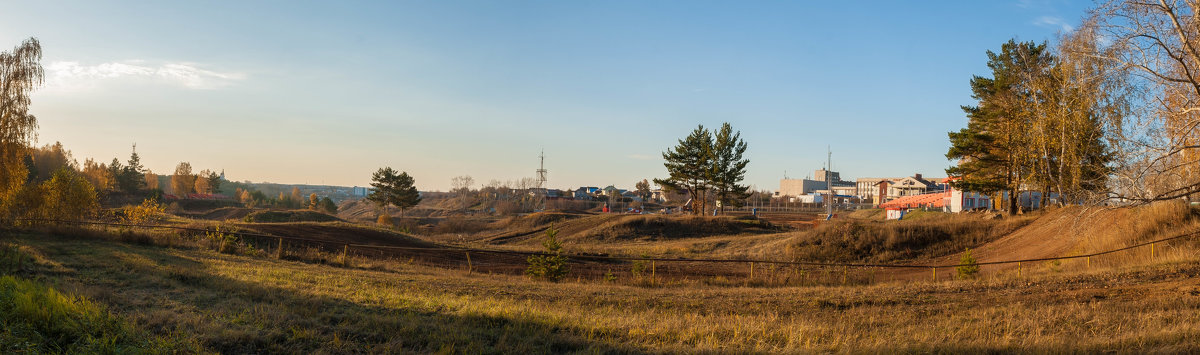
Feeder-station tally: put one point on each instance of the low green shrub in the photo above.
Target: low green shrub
(553, 265)
(967, 268)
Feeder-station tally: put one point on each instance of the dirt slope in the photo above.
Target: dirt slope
(620, 227)
(337, 233)
(1078, 230)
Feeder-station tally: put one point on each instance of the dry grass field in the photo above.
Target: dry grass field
(202, 301)
(113, 291)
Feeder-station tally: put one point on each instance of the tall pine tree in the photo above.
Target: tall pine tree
(729, 168)
(994, 152)
(392, 189)
(689, 165)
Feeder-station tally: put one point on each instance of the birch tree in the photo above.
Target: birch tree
(20, 73)
(1152, 50)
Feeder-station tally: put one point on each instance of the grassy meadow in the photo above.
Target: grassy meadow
(193, 300)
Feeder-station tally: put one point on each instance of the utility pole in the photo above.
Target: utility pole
(829, 183)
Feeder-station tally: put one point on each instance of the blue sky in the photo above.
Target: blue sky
(327, 92)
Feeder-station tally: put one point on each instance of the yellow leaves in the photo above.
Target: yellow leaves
(69, 196)
(148, 211)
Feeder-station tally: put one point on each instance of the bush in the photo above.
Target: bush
(148, 211)
(968, 268)
(553, 266)
(384, 220)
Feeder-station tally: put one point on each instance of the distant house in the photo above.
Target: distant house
(207, 197)
(912, 186)
(882, 190)
(660, 195)
(632, 196)
(959, 200)
(585, 192)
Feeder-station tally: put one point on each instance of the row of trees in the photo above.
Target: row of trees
(1038, 124)
(184, 182)
(27, 189)
(1110, 113)
(704, 162)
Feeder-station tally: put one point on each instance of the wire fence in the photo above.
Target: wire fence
(581, 265)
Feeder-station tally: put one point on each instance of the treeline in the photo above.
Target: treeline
(251, 197)
(1038, 125)
(1108, 114)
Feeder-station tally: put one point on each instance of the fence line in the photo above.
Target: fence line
(453, 248)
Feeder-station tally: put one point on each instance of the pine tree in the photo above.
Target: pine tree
(130, 177)
(996, 151)
(394, 189)
(729, 168)
(689, 165)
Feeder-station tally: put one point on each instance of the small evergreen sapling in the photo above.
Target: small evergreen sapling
(553, 265)
(968, 268)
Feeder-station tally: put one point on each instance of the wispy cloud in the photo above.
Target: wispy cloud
(74, 76)
(642, 157)
(1054, 21)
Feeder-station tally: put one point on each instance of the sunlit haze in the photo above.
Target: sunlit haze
(328, 92)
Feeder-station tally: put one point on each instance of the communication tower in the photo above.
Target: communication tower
(541, 171)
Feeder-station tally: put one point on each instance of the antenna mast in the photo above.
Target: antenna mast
(541, 171)
(541, 179)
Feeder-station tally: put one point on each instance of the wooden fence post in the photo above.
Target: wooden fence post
(345, 256)
(653, 267)
(751, 269)
(1089, 262)
(1018, 269)
(1152, 251)
(934, 273)
(279, 250)
(469, 267)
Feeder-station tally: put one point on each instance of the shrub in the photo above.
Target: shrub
(69, 196)
(224, 242)
(551, 266)
(968, 268)
(384, 220)
(149, 211)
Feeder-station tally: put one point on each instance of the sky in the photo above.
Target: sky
(328, 92)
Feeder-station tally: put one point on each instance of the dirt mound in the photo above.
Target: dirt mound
(337, 232)
(289, 216)
(367, 211)
(1079, 230)
(933, 235)
(220, 214)
(202, 205)
(613, 227)
(535, 220)
(659, 227)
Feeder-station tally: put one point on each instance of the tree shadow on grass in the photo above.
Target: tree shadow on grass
(176, 296)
